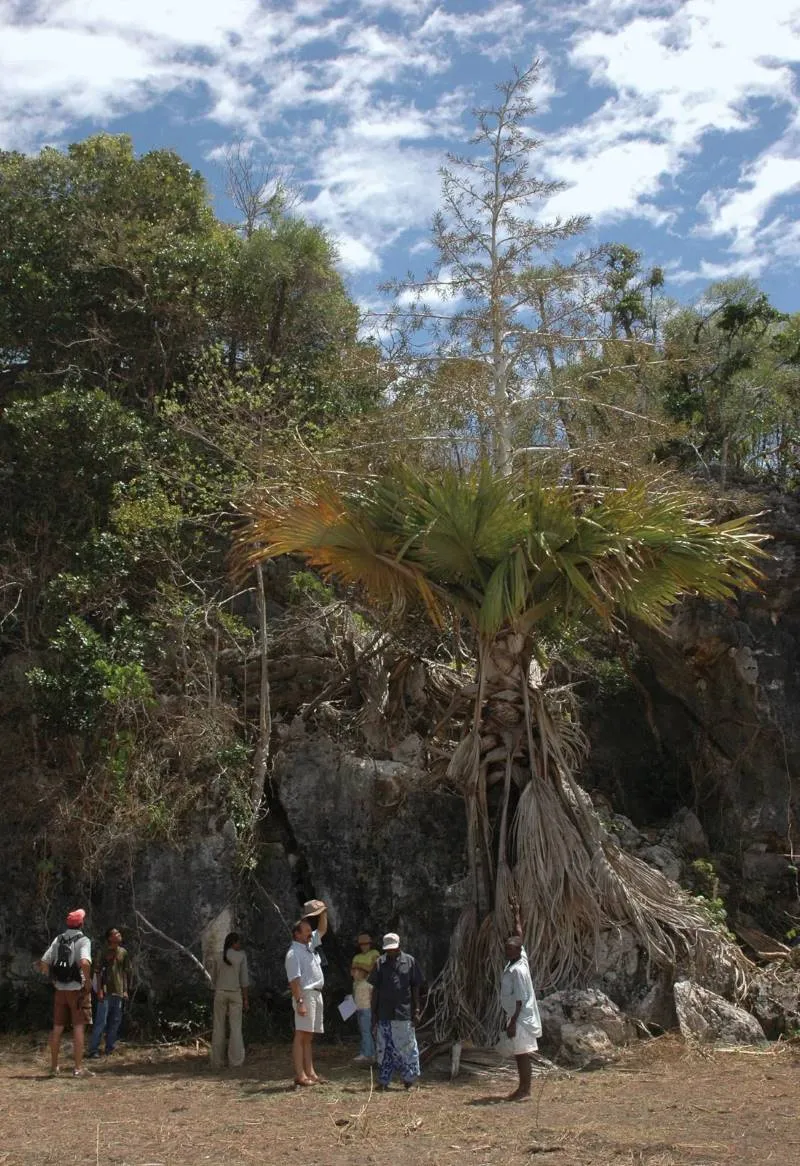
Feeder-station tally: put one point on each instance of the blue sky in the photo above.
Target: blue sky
(674, 123)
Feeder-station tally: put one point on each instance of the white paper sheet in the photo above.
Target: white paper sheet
(347, 1008)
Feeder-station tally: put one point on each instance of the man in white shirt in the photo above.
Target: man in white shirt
(69, 957)
(306, 980)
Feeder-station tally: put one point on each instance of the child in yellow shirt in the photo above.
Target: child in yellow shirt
(360, 968)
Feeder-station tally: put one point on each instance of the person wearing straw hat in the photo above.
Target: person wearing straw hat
(68, 959)
(306, 979)
(523, 1025)
(396, 980)
(361, 966)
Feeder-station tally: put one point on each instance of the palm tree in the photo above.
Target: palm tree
(515, 557)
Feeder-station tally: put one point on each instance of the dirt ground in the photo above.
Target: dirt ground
(663, 1104)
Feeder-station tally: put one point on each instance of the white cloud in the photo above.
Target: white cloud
(356, 256)
(669, 75)
(365, 97)
(625, 176)
(739, 213)
(495, 30)
(370, 192)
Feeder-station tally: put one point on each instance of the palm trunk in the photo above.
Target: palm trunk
(542, 842)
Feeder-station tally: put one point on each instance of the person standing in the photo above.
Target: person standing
(231, 983)
(360, 968)
(523, 1025)
(306, 980)
(68, 960)
(396, 980)
(111, 991)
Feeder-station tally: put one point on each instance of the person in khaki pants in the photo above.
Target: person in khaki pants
(231, 982)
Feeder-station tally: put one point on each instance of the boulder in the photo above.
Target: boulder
(663, 859)
(775, 999)
(704, 1016)
(654, 1005)
(583, 1027)
(585, 1046)
(618, 961)
(689, 834)
(625, 833)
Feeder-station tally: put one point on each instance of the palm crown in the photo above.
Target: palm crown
(509, 552)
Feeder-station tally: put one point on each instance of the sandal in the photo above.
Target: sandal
(306, 1082)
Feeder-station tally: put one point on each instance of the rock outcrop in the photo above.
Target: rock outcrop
(703, 1016)
(380, 843)
(583, 1028)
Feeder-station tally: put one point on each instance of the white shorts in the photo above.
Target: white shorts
(312, 1021)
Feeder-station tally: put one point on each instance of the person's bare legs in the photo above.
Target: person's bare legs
(302, 1040)
(308, 1057)
(55, 1045)
(525, 1072)
(78, 1042)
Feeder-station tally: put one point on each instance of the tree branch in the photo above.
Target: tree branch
(174, 943)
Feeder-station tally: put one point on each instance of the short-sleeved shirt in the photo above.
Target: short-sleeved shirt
(362, 992)
(393, 980)
(517, 986)
(111, 971)
(81, 950)
(302, 960)
(231, 976)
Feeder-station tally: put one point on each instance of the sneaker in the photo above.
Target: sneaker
(362, 1060)
(82, 1073)
(52, 1072)
(384, 1088)
(95, 1056)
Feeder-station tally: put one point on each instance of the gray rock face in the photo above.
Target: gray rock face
(735, 669)
(654, 1005)
(382, 847)
(688, 833)
(704, 1016)
(583, 1027)
(664, 860)
(715, 721)
(619, 963)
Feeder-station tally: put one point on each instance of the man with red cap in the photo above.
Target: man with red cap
(68, 959)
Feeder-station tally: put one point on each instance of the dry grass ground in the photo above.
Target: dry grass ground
(662, 1105)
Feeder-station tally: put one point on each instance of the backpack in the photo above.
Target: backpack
(64, 968)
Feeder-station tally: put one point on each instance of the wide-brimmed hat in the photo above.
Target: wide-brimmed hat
(313, 907)
(391, 942)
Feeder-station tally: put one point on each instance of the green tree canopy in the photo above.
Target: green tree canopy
(114, 266)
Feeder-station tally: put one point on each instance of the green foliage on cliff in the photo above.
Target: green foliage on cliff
(155, 362)
(151, 357)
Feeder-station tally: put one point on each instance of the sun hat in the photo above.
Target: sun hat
(391, 942)
(313, 907)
